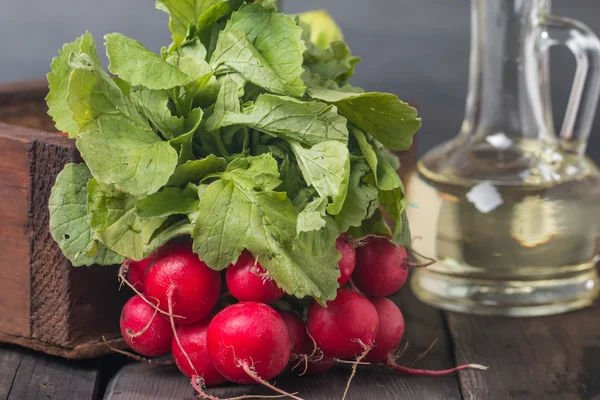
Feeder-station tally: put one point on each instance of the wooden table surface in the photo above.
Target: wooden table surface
(547, 358)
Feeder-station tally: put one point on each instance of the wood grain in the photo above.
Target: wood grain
(49, 269)
(424, 324)
(549, 358)
(45, 303)
(14, 240)
(26, 375)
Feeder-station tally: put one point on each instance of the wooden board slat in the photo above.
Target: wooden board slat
(9, 364)
(142, 382)
(27, 375)
(550, 358)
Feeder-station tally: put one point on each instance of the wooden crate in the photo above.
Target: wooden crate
(45, 304)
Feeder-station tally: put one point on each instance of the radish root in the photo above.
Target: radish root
(401, 350)
(252, 374)
(198, 385)
(391, 363)
(340, 361)
(316, 356)
(123, 270)
(429, 260)
(123, 279)
(355, 363)
(265, 276)
(423, 354)
(172, 321)
(136, 357)
(132, 335)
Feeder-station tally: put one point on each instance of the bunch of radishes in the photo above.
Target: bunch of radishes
(249, 332)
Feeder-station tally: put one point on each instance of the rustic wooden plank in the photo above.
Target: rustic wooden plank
(424, 324)
(9, 364)
(28, 375)
(556, 357)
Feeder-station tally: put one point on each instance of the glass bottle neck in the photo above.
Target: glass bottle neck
(507, 98)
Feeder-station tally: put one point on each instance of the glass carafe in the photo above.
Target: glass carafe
(510, 209)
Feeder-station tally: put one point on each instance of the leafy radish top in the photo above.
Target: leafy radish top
(244, 134)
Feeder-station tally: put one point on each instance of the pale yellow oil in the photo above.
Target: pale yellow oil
(505, 249)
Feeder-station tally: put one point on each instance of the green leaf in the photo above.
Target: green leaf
(193, 48)
(168, 231)
(404, 238)
(316, 231)
(336, 62)
(382, 115)
(135, 160)
(154, 104)
(184, 142)
(264, 47)
(269, 4)
(197, 170)
(386, 177)
(361, 201)
(200, 87)
(223, 200)
(119, 146)
(309, 123)
(394, 203)
(182, 13)
(58, 80)
(374, 225)
(220, 9)
(69, 224)
(325, 166)
(384, 154)
(123, 85)
(228, 101)
(289, 171)
(139, 66)
(93, 95)
(242, 212)
(169, 201)
(321, 27)
(312, 217)
(115, 222)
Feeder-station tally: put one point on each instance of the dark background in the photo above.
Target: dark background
(417, 49)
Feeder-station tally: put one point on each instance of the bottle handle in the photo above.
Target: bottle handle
(581, 108)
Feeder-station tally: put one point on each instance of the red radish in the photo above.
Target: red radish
(248, 342)
(136, 271)
(248, 281)
(390, 332)
(346, 327)
(318, 367)
(300, 341)
(348, 260)
(195, 287)
(381, 267)
(144, 329)
(193, 340)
